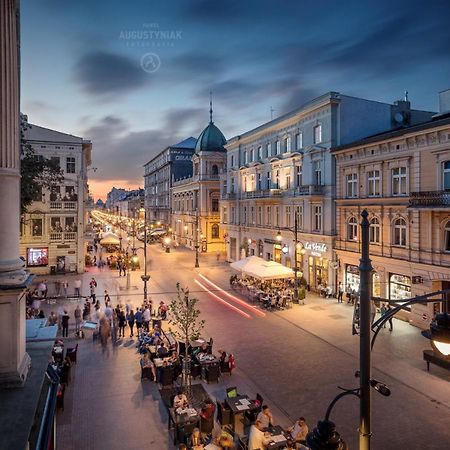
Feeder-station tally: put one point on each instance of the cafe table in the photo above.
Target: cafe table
(278, 437)
(158, 362)
(238, 405)
(181, 417)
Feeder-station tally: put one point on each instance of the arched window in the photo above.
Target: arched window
(215, 169)
(399, 232)
(447, 237)
(214, 231)
(352, 229)
(374, 231)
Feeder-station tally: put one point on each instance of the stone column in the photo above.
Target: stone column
(14, 361)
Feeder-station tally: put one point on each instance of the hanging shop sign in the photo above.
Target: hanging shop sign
(316, 248)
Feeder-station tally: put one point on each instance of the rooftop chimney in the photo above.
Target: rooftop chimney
(444, 102)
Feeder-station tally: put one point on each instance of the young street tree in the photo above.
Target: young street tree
(185, 316)
(36, 171)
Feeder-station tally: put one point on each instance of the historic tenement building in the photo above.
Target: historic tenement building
(284, 167)
(53, 230)
(402, 178)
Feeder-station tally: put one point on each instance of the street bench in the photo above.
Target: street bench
(430, 357)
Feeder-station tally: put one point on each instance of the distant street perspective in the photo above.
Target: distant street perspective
(224, 226)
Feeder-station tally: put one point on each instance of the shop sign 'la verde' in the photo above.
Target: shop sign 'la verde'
(316, 248)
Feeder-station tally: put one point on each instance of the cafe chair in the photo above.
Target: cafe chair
(207, 425)
(146, 372)
(231, 392)
(184, 432)
(71, 353)
(252, 414)
(196, 370)
(223, 414)
(166, 376)
(212, 373)
(243, 442)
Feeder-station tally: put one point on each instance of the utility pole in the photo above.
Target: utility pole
(365, 270)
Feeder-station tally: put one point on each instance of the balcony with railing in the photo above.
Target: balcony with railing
(63, 236)
(430, 199)
(311, 189)
(63, 205)
(263, 193)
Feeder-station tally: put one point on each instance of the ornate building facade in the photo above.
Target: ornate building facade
(195, 200)
(284, 168)
(53, 229)
(173, 163)
(402, 178)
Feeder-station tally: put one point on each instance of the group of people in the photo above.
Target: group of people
(260, 438)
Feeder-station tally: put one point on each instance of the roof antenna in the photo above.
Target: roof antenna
(271, 113)
(406, 96)
(210, 107)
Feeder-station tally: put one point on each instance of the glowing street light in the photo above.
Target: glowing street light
(440, 334)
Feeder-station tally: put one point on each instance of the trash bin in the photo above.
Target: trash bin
(52, 270)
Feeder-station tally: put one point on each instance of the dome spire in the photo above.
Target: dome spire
(210, 107)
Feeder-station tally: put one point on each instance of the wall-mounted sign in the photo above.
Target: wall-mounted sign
(316, 248)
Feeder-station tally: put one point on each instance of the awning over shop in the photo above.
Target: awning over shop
(269, 270)
(109, 239)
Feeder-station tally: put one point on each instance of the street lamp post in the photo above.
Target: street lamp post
(296, 244)
(196, 240)
(145, 277)
(365, 269)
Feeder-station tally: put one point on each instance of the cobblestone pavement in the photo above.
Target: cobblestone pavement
(295, 358)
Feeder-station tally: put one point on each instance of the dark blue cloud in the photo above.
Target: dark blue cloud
(103, 73)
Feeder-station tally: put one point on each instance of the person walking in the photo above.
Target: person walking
(388, 309)
(340, 293)
(45, 289)
(58, 288)
(373, 312)
(138, 320)
(146, 316)
(130, 320)
(92, 286)
(106, 298)
(77, 286)
(77, 315)
(105, 333)
(65, 286)
(65, 324)
(122, 321)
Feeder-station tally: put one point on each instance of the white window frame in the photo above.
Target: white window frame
(288, 144)
(375, 231)
(317, 217)
(400, 239)
(317, 133)
(444, 172)
(287, 216)
(299, 140)
(318, 172)
(399, 175)
(269, 149)
(351, 185)
(277, 147)
(245, 157)
(352, 229)
(374, 183)
(259, 152)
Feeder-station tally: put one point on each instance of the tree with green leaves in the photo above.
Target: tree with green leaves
(36, 171)
(185, 316)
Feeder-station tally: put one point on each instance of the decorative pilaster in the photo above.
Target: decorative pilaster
(14, 361)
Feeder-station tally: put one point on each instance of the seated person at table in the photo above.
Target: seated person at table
(146, 362)
(173, 357)
(265, 417)
(299, 430)
(196, 441)
(258, 439)
(162, 350)
(208, 409)
(180, 400)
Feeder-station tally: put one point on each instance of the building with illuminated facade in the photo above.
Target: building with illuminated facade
(285, 167)
(402, 178)
(195, 200)
(53, 229)
(173, 163)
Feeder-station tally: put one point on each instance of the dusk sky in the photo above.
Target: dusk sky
(85, 69)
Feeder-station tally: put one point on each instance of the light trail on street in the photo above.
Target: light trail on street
(234, 298)
(221, 300)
